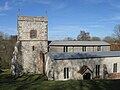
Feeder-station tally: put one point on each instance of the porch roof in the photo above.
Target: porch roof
(82, 55)
(83, 69)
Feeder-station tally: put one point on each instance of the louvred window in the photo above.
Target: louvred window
(33, 33)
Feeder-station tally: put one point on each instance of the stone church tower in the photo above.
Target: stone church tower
(33, 38)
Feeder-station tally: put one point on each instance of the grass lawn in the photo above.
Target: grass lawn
(37, 82)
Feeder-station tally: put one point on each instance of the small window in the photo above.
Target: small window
(99, 48)
(65, 49)
(33, 48)
(33, 33)
(83, 48)
(66, 73)
(115, 67)
(97, 70)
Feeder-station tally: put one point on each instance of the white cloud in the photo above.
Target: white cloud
(9, 5)
(5, 7)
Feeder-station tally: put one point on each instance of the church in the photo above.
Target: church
(60, 60)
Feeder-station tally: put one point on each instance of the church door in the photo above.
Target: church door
(42, 62)
(86, 76)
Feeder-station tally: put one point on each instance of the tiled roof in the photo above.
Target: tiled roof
(76, 43)
(82, 55)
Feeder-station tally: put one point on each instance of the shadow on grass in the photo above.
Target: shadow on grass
(109, 84)
(5, 78)
(8, 82)
(29, 81)
(100, 85)
(37, 82)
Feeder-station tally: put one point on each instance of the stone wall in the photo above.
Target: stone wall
(27, 23)
(56, 67)
(33, 34)
(114, 76)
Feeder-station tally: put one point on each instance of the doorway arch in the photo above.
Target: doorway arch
(87, 76)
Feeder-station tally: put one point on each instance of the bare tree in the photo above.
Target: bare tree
(6, 49)
(108, 39)
(1, 35)
(83, 36)
(95, 39)
(116, 33)
(6, 36)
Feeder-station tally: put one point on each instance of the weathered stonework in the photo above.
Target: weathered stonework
(27, 23)
(55, 67)
(30, 57)
(33, 36)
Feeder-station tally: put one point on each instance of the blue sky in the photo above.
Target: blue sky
(66, 17)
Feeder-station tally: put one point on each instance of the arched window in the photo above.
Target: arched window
(33, 33)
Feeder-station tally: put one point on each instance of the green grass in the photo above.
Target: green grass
(38, 82)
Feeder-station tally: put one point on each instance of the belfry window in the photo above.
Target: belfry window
(33, 33)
